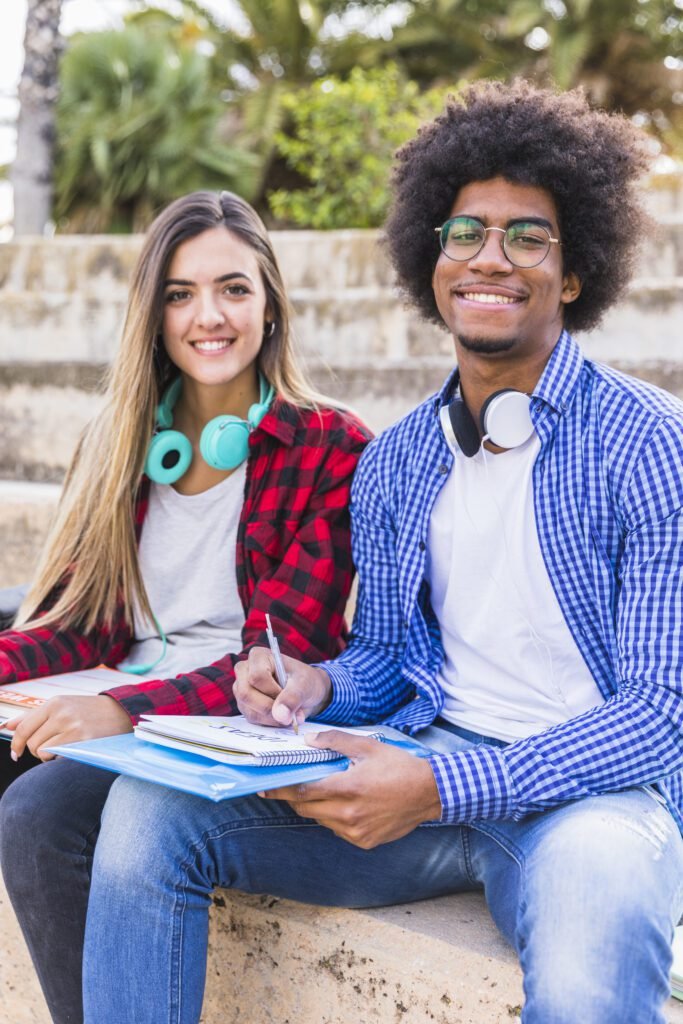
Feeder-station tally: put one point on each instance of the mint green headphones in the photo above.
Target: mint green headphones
(224, 441)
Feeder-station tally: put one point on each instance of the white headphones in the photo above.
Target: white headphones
(504, 420)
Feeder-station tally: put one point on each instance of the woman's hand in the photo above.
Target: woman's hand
(66, 719)
(260, 699)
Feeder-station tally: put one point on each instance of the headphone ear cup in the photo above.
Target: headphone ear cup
(169, 456)
(505, 418)
(488, 402)
(464, 428)
(224, 443)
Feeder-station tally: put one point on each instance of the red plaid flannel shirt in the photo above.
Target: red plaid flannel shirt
(293, 561)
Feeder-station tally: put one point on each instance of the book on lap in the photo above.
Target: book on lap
(17, 699)
(234, 740)
(199, 773)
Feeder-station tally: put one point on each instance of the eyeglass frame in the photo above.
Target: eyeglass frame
(504, 232)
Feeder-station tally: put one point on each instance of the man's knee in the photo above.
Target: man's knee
(597, 909)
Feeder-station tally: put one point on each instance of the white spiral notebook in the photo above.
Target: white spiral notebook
(236, 741)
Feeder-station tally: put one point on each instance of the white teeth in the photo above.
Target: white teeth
(211, 346)
(500, 300)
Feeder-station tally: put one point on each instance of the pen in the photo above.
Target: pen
(279, 667)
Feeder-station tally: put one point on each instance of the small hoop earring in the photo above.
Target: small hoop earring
(269, 329)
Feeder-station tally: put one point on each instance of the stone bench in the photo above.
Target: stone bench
(276, 962)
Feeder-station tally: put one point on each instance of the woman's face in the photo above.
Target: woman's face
(214, 308)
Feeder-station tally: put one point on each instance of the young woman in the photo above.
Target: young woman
(212, 488)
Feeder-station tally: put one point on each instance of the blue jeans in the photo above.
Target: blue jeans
(49, 821)
(588, 894)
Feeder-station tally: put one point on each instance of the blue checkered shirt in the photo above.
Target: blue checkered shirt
(608, 496)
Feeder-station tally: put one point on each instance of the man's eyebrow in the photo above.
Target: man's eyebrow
(541, 221)
(217, 280)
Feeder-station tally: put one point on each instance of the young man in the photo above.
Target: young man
(519, 611)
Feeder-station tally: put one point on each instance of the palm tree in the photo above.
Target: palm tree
(627, 54)
(31, 172)
(138, 125)
(282, 45)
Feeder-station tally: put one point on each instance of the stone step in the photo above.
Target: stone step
(26, 511)
(63, 299)
(272, 961)
(339, 326)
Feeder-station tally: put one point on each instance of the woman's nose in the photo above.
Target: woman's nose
(209, 313)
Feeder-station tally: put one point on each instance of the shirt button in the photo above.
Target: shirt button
(422, 545)
(443, 469)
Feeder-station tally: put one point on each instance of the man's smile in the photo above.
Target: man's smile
(487, 295)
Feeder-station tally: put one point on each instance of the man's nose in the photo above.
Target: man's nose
(491, 257)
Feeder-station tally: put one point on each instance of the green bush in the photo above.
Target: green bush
(342, 137)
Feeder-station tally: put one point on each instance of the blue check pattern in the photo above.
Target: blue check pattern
(608, 492)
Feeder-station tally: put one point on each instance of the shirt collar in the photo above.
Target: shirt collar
(281, 421)
(560, 378)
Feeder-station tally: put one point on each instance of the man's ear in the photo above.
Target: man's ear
(571, 288)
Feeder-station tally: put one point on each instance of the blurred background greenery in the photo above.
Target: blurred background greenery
(300, 107)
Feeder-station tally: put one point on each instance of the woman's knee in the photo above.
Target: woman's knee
(48, 813)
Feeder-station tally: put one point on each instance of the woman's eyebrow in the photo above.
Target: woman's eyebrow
(217, 280)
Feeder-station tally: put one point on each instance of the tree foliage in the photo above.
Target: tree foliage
(626, 54)
(137, 126)
(176, 101)
(343, 136)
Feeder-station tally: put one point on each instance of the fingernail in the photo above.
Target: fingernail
(13, 755)
(261, 794)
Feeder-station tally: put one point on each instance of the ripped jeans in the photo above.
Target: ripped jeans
(588, 894)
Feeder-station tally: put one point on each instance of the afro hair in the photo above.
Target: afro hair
(588, 160)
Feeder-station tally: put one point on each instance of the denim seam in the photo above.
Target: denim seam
(467, 851)
(180, 900)
(293, 821)
(520, 860)
(178, 924)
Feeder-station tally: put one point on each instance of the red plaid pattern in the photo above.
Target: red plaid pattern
(293, 561)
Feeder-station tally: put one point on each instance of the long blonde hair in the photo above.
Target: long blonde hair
(89, 563)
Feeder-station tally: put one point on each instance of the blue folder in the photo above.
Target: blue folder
(192, 773)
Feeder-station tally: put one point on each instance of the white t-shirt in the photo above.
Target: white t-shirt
(511, 666)
(187, 560)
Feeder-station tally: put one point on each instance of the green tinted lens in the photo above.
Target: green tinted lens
(526, 244)
(461, 237)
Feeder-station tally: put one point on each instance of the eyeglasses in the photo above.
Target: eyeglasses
(525, 243)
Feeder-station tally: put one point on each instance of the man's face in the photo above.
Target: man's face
(489, 305)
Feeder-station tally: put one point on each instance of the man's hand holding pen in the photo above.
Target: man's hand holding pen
(261, 699)
(384, 794)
